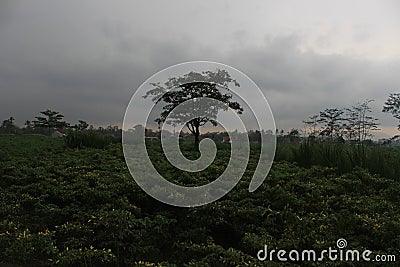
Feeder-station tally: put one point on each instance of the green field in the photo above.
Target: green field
(80, 207)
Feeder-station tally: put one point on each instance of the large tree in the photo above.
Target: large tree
(52, 119)
(193, 86)
(392, 105)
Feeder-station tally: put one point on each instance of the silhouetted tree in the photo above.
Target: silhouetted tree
(28, 124)
(52, 119)
(180, 89)
(8, 126)
(331, 120)
(254, 136)
(9, 123)
(82, 125)
(28, 127)
(294, 135)
(392, 105)
(359, 124)
(311, 125)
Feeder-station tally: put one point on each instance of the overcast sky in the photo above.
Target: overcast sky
(86, 58)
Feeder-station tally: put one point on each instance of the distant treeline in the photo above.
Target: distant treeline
(353, 124)
(52, 123)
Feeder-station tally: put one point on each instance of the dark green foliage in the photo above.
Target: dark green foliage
(8, 127)
(207, 84)
(70, 207)
(376, 159)
(52, 119)
(89, 139)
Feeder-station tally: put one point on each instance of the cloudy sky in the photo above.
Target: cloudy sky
(86, 58)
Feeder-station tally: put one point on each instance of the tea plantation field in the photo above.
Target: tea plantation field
(80, 207)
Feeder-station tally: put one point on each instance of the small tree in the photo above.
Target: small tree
(8, 126)
(359, 124)
(28, 127)
(52, 119)
(192, 86)
(294, 135)
(331, 119)
(81, 126)
(9, 123)
(311, 125)
(392, 105)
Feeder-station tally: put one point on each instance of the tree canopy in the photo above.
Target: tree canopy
(194, 86)
(52, 119)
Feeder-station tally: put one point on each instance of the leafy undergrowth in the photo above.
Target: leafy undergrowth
(80, 207)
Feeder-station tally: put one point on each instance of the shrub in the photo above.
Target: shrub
(89, 139)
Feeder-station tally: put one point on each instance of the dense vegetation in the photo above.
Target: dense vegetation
(381, 160)
(80, 207)
(90, 138)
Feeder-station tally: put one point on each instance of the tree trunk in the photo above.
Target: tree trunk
(196, 139)
(196, 136)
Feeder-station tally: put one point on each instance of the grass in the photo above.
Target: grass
(88, 139)
(380, 160)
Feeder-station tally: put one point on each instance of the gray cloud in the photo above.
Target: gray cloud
(87, 65)
(299, 84)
